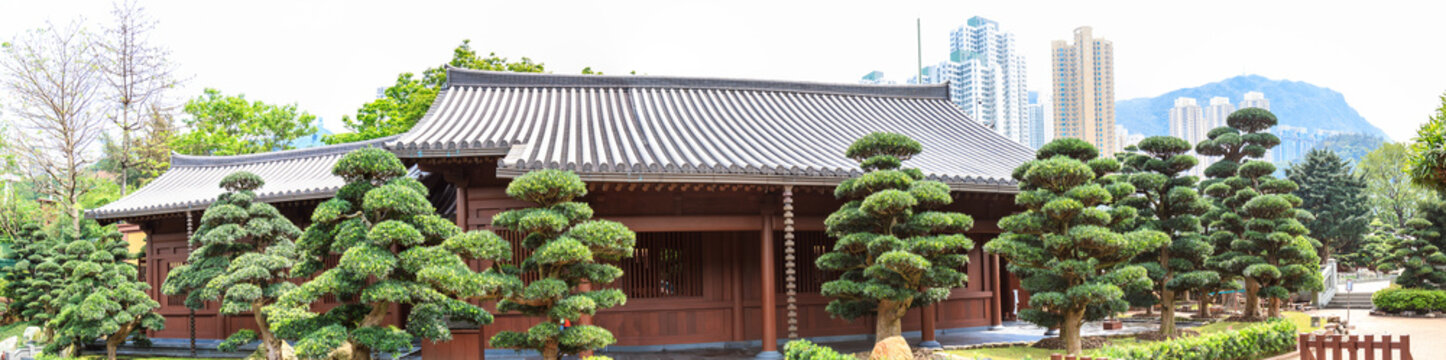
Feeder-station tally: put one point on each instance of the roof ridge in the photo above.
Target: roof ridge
(468, 77)
(180, 160)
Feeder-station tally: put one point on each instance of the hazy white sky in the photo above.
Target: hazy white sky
(330, 56)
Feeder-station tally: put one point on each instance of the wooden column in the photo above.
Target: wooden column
(769, 306)
(996, 321)
(737, 253)
(926, 328)
(460, 180)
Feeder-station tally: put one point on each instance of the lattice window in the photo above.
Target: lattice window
(809, 246)
(664, 264)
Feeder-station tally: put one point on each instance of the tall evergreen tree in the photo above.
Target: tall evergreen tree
(1419, 261)
(893, 252)
(1330, 191)
(33, 282)
(243, 256)
(394, 250)
(1066, 243)
(1167, 202)
(566, 248)
(1255, 216)
(102, 297)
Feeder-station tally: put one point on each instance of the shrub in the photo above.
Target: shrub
(1273, 337)
(1420, 300)
(805, 350)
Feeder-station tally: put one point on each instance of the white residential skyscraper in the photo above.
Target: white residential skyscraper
(1040, 113)
(1255, 99)
(986, 78)
(1083, 78)
(1186, 120)
(1216, 113)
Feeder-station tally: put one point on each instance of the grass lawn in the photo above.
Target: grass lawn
(15, 329)
(1301, 320)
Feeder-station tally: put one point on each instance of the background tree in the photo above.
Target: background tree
(1373, 249)
(1244, 138)
(231, 125)
(1418, 259)
(1392, 197)
(394, 250)
(1427, 164)
(894, 251)
(32, 283)
(243, 256)
(1168, 202)
(137, 72)
(55, 88)
(566, 246)
(1065, 243)
(1329, 190)
(149, 152)
(102, 297)
(403, 103)
(1433, 209)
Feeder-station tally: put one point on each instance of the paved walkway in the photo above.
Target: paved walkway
(1426, 334)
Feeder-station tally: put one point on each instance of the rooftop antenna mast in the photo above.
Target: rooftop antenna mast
(919, 37)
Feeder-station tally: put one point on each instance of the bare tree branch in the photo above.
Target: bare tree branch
(137, 72)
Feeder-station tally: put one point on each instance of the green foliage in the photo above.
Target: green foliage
(35, 281)
(231, 125)
(1412, 251)
(1169, 203)
(1427, 164)
(241, 337)
(806, 350)
(1256, 341)
(894, 251)
(394, 251)
(1396, 300)
(403, 103)
(1392, 197)
(1254, 226)
(102, 297)
(1329, 190)
(566, 247)
(1066, 243)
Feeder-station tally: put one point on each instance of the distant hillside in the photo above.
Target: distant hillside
(1296, 103)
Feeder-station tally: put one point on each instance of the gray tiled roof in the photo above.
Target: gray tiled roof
(668, 129)
(193, 182)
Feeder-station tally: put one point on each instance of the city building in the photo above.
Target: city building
(875, 78)
(1217, 112)
(1124, 138)
(1041, 116)
(1082, 75)
(738, 210)
(1187, 121)
(1255, 99)
(986, 77)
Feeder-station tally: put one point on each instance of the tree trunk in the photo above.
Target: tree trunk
(1070, 331)
(550, 350)
(276, 348)
(1252, 298)
(113, 341)
(890, 319)
(1274, 307)
(1167, 312)
(1204, 305)
(373, 318)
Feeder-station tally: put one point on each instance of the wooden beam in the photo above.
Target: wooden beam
(689, 223)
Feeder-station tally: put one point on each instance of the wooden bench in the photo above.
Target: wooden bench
(1317, 347)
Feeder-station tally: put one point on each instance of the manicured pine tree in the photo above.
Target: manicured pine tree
(35, 279)
(1419, 261)
(1330, 191)
(1066, 242)
(1167, 202)
(1243, 137)
(102, 297)
(243, 257)
(394, 250)
(567, 247)
(894, 251)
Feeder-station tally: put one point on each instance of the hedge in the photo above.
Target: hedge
(805, 350)
(1418, 300)
(1272, 337)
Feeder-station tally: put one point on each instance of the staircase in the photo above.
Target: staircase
(1355, 300)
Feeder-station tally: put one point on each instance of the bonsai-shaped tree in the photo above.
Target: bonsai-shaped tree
(102, 298)
(1065, 243)
(566, 247)
(394, 250)
(35, 279)
(243, 257)
(1168, 202)
(1412, 252)
(893, 252)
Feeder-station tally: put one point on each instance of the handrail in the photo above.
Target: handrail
(1330, 277)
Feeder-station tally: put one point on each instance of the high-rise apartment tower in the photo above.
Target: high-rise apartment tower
(1083, 78)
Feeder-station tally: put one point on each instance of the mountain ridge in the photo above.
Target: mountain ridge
(1295, 103)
